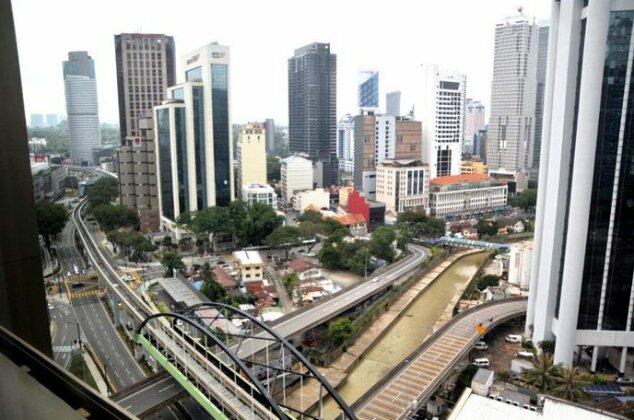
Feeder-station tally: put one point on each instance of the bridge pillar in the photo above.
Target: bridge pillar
(623, 360)
(595, 354)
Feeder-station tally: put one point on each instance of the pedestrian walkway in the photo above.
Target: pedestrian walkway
(63, 349)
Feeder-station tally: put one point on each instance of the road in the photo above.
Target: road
(285, 301)
(64, 331)
(325, 309)
(149, 396)
(417, 378)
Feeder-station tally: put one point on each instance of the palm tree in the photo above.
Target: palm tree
(570, 385)
(544, 375)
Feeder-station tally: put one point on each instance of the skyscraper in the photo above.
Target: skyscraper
(269, 130)
(441, 108)
(512, 120)
(193, 137)
(345, 143)
(312, 107)
(145, 69)
(251, 155)
(84, 134)
(368, 90)
(52, 120)
(474, 122)
(581, 291)
(542, 55)
(393, 103)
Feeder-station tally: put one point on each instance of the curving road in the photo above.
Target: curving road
(412, 383)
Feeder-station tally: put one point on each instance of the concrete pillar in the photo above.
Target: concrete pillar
(543, 166)
(623, 360)
(595, 354)
(583, 173)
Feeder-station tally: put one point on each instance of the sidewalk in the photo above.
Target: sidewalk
(51, 265)
(337, 372)
(94, 371)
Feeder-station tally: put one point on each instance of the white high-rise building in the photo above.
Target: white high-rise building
(251, 155)
(345, 143)
(297, 175)
(80, 86)
(441, 110)
(582, 287)
(513, 90)
(474, 122)
(193, 137)
(393, 103)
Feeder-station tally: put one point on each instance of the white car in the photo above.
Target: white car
(512, 338)
(481, 345)
(50, 307)
(625, 381)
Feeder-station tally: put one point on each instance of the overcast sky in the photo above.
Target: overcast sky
(393, 37)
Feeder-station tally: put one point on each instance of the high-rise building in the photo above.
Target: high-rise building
(193, 137)
(312, 107)
(441, 107)
(368, 90)
(52, 120)
(381, 137)
(512, 119)
(474, 122)
(403, 185)
(297, 175)
(251, 155)
(393, 103)
(37, 120)
(542, 55)
(581, 291)
(80, 86)
(145, 69)
(345, 144)
(269, 132)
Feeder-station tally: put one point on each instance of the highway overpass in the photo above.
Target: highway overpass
(409, 385)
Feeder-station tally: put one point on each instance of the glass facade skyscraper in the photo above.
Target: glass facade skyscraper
(369, 90)
(583, 270)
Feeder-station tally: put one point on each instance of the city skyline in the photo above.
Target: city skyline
(401, 51)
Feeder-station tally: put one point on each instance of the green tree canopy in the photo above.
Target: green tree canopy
(525, 200)
(290, 281)
(211, 287)
(284, 237)
(340, 330)
(381, 243)
(544, 375)
(259, 222)
(103, 191)
(310, 216)
(51, 219)
(112, 217)
(421, 225)
(488, 280)
(487, 227)
(133, 244)
(171, 261)
(273, 170)
(570, 384)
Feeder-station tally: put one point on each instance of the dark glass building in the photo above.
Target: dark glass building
(312, 107)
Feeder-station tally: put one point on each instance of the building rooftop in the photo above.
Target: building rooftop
(299, 265)
(248, 257)
(459, 179)
(482, 376)
(224, 278)
(402, 163)
(350, 219)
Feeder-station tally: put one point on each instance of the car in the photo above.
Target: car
(376, 279)
(50, 306)
(481, 345)
(77, 284)
(625, 381)
(481, 362)
(513, 338)
(525, 354)
(68, 274)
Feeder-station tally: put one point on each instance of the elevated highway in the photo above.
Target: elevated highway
(409, 385)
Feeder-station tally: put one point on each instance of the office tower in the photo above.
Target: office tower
(381, 137)
(474, 122)
(512, 120)
(581, 290)
(542, 55)
(393, 103)
(368, 90)
(251, 154)
(84, 134)
(137, 174)
(269, 132)
(441, 107)
(345, 143)
(312, 107)
(145, 69)
(193, 137)
(37, 120)
(52, 120)
(403, 185)
(296, 174)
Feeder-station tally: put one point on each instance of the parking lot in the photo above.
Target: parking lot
(500, 353)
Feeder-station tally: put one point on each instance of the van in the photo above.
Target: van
(482, 362)
(525, 354)
(481, 345)
(511, 338)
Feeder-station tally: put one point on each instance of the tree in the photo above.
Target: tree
(570, 385)
(310, 216)
(544, 375)
(211, 287)
(111, 217)
(340, 330)
(171, 261)
(487, 280)
(51, 219)
(330, 255)
(420, 224)
(359, 262)
(103, 191)
(404, 236)
(273, 169)
(284, 237)
(524, 200)
(547, 346)
(381, 243)
(290, 281)
(486, 227)
(259, 222)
